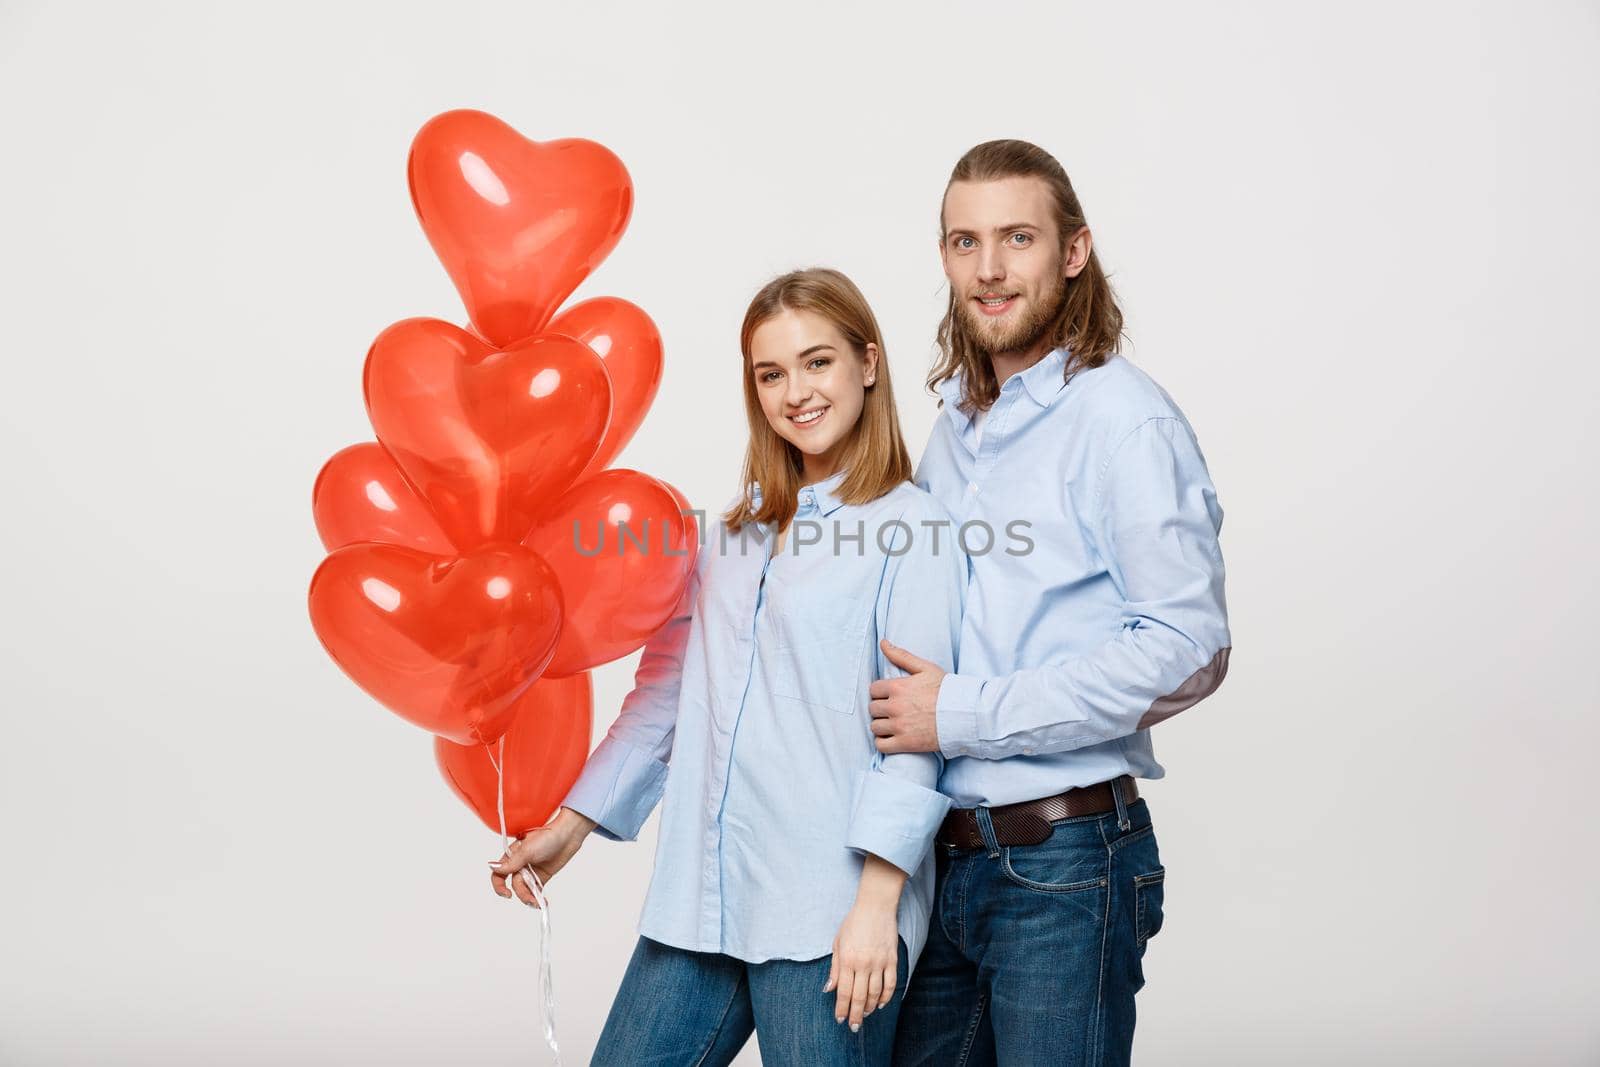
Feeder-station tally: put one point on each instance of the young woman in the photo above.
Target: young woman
(793, 874)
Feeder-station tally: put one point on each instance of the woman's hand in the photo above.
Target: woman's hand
(866, 948)
(546, 849)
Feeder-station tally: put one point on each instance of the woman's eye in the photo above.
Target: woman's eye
(770, 375)
(820, 361)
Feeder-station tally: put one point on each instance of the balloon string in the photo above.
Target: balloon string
(530, 878)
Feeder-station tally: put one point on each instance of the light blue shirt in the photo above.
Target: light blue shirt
(1113, 618)
(757, 691)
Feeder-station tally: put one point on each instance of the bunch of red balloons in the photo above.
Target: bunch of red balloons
(481, 555)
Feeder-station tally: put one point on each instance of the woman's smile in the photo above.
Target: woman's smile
(810, 416)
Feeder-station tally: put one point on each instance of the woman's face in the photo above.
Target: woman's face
(811, 383)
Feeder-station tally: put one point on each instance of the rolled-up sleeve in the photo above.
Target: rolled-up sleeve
(898, 807)
(625, 776)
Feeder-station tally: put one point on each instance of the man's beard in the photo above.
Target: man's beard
(1022, 335)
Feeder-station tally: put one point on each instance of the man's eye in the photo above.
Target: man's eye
(1021, 238)
(964, 242)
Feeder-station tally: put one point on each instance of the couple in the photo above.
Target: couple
(904, 718)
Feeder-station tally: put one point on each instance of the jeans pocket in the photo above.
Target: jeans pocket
(1059, 864)
(1148, 891)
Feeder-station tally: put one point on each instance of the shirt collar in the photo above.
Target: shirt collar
(1042, 381)
(822, 495)
(950, 392)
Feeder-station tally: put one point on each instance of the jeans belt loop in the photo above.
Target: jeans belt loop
(1121, 795)
(986, 831)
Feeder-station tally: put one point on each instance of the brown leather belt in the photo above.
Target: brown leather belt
(1028, 823)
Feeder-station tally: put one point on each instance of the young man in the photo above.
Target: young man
(1095, 609)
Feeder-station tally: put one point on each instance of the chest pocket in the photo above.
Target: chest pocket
(820, 634)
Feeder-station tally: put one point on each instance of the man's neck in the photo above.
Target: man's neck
(1008, 363)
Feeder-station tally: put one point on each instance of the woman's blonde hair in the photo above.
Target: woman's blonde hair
(875, 454)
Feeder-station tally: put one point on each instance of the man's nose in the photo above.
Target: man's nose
(991, 265)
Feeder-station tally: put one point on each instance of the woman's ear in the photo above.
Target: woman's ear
(870, 374)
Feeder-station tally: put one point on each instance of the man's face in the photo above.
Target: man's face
(1004, 260)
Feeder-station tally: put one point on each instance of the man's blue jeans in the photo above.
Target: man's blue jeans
(1035, 951)
(678, 1008)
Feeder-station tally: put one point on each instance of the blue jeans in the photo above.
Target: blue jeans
(678, 1008)
(1034, 952)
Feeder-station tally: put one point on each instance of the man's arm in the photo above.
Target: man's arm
(1157, 520)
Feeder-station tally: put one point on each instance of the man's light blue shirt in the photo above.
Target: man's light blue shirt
(756, 696)
(1099, 610)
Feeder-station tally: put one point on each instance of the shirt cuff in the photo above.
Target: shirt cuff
(895, 819)
(619, 788)
(956, 714)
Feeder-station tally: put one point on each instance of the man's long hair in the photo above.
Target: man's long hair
(1089, 324)
(875, 454)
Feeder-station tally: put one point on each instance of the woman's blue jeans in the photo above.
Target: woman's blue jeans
(678, 1008)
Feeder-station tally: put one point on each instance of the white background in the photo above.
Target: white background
(1355, 241)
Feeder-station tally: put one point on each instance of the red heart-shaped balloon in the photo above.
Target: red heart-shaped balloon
(486, 435)
(623, 335)
(541, 755)
(448, 644)
(623, 552)
(518, 224)
(360, 495)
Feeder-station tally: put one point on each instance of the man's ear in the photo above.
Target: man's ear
(944, 257)
(1078, 250)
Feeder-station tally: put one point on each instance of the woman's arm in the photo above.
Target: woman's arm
(866, 948)
(898, 807)
(624, 777)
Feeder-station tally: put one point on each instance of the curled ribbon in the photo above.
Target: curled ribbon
(530, 878)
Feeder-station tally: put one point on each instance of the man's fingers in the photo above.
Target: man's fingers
(881, 689)
(891, 745)
(882, 727)
(904, 660)
(879, 708)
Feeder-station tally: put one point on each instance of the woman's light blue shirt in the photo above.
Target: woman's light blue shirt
(756, 692)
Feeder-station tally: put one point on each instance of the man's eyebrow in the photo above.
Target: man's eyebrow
(1010, 227)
